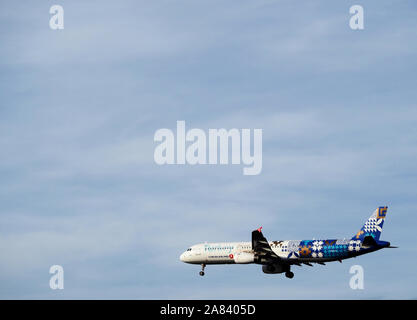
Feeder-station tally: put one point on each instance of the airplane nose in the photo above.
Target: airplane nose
(182, 257)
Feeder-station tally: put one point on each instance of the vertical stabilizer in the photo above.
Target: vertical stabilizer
(372, 226)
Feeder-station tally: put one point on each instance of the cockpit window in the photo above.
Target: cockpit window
(189, 249)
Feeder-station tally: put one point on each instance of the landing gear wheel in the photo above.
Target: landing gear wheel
(202, 269)
(289, 274)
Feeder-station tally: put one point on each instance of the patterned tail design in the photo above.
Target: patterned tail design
(373, 226)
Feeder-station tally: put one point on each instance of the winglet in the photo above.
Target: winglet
(260, 229)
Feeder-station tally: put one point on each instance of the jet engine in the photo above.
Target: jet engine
(274, 268)
(244, 257)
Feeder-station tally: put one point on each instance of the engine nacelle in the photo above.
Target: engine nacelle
(244, 257)
(274, 268)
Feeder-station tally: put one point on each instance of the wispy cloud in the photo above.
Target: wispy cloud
(79, 109)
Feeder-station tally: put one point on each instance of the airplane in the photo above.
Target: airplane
(279, 256)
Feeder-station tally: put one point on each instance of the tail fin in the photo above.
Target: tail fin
(372, 226)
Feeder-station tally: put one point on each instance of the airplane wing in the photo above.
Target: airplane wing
(262, 249)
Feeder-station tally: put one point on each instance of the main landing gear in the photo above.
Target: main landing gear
(202, 269)
(289, 274)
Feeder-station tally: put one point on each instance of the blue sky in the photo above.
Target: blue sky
(79, 108)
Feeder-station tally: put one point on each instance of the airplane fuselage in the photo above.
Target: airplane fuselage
(292, 251)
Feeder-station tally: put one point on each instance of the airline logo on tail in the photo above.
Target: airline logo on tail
(382, 212)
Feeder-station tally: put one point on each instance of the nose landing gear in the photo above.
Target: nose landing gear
(289, 274)
(202, 269)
